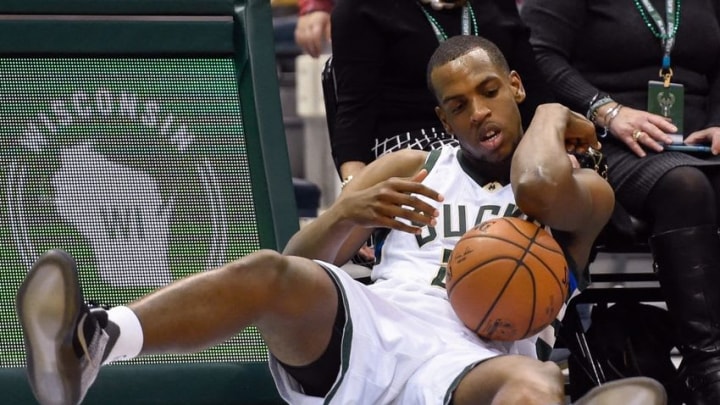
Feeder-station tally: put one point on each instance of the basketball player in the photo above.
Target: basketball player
(332, 339)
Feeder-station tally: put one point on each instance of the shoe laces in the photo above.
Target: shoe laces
(81, 335)
(84, 333)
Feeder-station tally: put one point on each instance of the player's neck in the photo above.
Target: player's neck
(483, 171)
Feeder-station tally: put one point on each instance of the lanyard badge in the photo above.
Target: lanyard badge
(665, 98)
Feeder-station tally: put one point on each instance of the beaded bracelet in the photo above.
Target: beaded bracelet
(595, 104)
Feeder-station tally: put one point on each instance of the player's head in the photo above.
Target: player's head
(477, 96)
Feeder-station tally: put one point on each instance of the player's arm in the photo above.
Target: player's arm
(384, 194)
(548, 188)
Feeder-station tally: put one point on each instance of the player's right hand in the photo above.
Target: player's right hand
(580, 134)
(396, 203)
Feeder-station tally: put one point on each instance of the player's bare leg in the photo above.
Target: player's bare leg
(291, 300)
(512, 380)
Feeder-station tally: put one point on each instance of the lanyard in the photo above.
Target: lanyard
(468, 15)
(665, 30)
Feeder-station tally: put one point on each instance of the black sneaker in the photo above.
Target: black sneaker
(64, 342)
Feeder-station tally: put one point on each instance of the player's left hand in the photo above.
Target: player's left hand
(393, 203)
(708, 136)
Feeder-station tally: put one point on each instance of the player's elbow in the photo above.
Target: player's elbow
(536, 192)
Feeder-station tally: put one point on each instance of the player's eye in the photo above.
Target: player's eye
(456, 108)
(492, 92)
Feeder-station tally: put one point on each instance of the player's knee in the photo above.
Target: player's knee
(536, 383)
(266, 258)
(512, 379)
(263, 265)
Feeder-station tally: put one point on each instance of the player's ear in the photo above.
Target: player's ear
(517, 86)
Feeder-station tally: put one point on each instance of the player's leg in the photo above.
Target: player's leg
(293, 302)
(511, 379)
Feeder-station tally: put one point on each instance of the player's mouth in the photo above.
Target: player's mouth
(490, 137)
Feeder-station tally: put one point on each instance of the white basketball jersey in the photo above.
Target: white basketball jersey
(422, 258)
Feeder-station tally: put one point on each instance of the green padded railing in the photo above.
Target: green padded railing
(146, 138)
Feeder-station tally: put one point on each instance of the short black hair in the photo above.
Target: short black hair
(457, 46)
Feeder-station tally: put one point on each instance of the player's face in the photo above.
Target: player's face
(478, 104)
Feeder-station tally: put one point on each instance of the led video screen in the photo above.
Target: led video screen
(136, 166)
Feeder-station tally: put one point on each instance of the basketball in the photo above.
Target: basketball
(507, 279)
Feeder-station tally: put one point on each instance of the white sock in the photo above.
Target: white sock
(130, 339)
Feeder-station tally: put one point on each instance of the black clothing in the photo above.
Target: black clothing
(589, 46)
(381, 49)
(688, 266)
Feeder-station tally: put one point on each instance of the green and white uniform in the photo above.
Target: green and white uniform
(402, 342)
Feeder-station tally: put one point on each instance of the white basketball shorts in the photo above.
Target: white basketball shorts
(400, 345)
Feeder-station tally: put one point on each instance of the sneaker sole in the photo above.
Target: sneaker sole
(48, 305)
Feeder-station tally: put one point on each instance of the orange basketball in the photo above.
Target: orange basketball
(507, 279)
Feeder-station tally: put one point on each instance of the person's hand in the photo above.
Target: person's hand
(638, 129)
(579, 134)
(573, 161)
(708, 136)
(312, 32)
(392, 204)
(367, 254)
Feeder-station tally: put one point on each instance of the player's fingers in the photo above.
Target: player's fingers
(410, 202)
(401, 226)
(419, 176)
(573, 161)
(418, 218)
(392, 218)
(413, 187)
(409, 213)
(580, 127)
(392, 223)
(580, 122)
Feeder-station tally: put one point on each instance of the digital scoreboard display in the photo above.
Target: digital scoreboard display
(136, 166)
